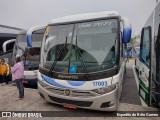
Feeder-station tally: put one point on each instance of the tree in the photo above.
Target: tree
(133, 41)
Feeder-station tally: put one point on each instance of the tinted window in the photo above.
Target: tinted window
(9, 46)
(145, 45)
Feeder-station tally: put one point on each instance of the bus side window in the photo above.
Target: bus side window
(145, 45)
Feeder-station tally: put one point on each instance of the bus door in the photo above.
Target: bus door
(145, 65)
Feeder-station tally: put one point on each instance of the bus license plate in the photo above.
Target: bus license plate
(69, 106)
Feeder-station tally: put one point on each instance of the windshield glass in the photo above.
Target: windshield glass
(37, 38)
(32, 57)
(20, 45)
(82, 47)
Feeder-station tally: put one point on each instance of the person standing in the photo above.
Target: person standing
(17, 75)
(3, 72)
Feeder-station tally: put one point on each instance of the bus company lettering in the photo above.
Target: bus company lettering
(68, 77)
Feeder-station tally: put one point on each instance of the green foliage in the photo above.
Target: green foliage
(133, 41)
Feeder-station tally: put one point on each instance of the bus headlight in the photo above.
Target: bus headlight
(43, 84)
(105, 90)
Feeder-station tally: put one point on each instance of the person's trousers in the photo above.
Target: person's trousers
(20, 87)
(3, 79)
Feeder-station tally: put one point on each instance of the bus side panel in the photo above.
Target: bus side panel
(157, 52)
(144, 89)
(145, 63)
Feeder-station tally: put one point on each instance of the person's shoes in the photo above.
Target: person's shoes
(19, 98)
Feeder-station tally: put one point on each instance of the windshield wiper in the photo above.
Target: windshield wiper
(59, 54)
(82, 61)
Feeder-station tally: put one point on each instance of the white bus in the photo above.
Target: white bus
(81, 63)
(20, 45)
(149, 60)
(32, 54)
(8, 35)
(27, 46)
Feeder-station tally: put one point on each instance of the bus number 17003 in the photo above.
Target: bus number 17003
(100, 83)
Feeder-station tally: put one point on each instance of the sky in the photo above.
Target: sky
(28, 13)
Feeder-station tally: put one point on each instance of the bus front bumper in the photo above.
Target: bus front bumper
(105, 102)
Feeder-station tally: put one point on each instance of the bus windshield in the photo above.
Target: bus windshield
(81, 47)
(20, 45)
(33, 53)
(37, 38)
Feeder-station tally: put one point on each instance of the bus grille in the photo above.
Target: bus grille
(73, 102)
(74, 93)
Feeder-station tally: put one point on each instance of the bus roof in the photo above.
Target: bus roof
(84, 16)
(36, 29)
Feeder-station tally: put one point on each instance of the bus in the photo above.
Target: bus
(27, 47)
(20, 45)
(81, 63)
(32, 54)
(149, 60)
(8, 35)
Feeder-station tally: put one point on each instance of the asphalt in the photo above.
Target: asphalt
(130, 90)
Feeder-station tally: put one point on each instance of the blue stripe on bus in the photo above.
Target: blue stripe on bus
(53, 82)
(127, 35)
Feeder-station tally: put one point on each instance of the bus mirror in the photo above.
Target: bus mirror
(29, 40)
(48, 41)
(127, 30)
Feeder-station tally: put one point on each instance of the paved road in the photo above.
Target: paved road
(130, 90)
